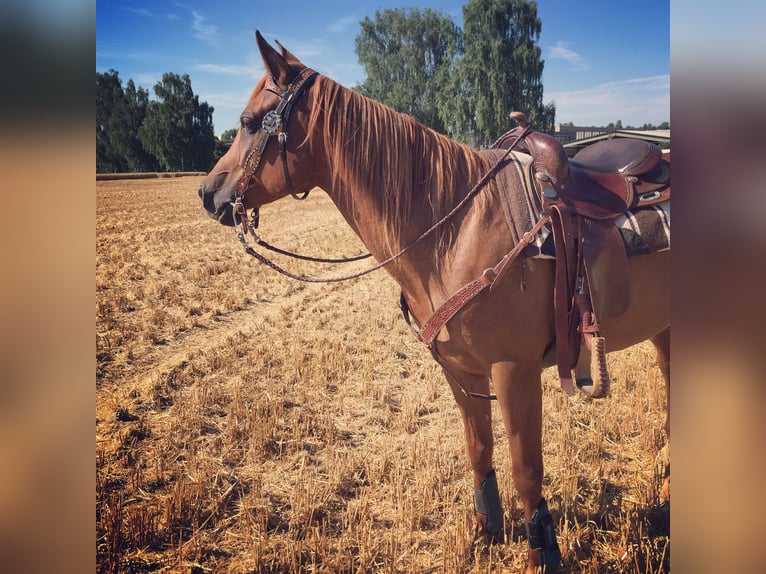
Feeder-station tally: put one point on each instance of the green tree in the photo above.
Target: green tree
(119, 115)
(407, 56)
(545, 119)
(126, 119)
(500, 71)
(178, 128)
(109, 95)
(229, 135)
(223, 143)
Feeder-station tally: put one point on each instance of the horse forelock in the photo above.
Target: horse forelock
(408, 169)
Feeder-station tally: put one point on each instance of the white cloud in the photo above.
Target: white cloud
(346, 73)
(228, 69)
(634, 101)
(149, 14)
(561, 51)
(207, 33)
(139, 11)
(147, 80)
(227, 106)
(342, 24)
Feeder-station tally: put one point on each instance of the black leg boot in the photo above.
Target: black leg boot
(487, 501)
(542, 536)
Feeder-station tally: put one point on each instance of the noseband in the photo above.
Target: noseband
(271, 123)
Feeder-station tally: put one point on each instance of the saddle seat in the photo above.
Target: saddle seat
(581, 198)
(626, 156)
(613, 176)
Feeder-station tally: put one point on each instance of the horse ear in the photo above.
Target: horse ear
(275, 63)
(287, 55)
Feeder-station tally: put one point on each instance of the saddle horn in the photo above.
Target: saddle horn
(520, 118)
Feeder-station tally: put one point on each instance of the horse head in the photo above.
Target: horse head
(262, 164)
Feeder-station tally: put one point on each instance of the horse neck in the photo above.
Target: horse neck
(390, 177)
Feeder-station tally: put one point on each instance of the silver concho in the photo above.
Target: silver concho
(271, 121)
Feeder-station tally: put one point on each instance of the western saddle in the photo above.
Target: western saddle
(582, 197)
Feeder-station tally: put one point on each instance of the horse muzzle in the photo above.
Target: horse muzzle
(217, 206)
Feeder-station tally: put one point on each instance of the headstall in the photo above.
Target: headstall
(270, 125)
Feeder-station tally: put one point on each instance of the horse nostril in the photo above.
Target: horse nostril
(207, 199)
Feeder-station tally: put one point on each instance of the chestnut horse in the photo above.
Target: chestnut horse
(392, 179)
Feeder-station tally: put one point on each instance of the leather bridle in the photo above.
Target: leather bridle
(270, 125)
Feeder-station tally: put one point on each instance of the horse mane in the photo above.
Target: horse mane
(404, 164)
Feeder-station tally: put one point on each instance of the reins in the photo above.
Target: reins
(243, 228)
(253, 224)
(263, 243)
(277, 118)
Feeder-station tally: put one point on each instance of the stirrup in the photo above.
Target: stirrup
(599, 381)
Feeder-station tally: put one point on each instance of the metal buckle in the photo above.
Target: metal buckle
(648, 196)
(488, 276)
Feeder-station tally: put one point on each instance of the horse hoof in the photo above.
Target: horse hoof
(482, 538)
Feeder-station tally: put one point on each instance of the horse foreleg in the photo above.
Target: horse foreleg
(519, 394)
(662, 345)
(477, 426)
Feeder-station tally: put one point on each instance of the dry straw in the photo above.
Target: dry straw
(248, 423)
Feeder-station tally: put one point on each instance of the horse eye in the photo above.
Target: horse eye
(250, 124)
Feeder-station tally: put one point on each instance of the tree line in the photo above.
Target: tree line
(460, 82)
(618, 126)
(133, 133)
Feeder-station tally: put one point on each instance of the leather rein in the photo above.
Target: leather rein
(270, 124)
(279, 117)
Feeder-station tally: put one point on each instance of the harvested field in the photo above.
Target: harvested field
(250, 423)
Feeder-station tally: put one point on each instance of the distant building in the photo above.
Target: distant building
(567, 134)
(574, 138)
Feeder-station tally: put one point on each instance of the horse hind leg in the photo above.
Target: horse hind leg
(661, 343)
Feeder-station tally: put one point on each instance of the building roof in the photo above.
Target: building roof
(655, 136)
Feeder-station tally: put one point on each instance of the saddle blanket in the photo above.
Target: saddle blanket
(643, 231)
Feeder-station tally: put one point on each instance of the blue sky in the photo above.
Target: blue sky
(605, 60)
